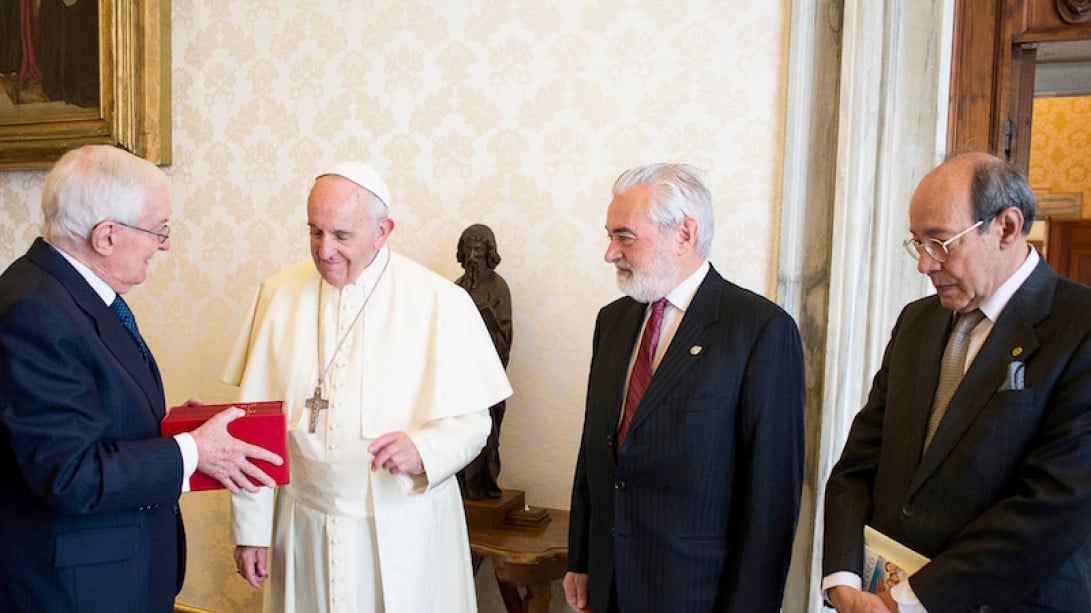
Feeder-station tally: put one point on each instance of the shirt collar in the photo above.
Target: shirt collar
(104, 291)
(683, 293)
(994, 304)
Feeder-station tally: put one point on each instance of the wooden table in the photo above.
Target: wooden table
(528, 558)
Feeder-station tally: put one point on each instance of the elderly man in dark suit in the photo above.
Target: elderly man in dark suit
(89, 520)
(974, 446)
(687, 485)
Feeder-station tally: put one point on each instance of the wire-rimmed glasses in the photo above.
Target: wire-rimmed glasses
(163, 233)
(934, 247)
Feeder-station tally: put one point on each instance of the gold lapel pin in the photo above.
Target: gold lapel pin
(1018, 351)
(696, 349)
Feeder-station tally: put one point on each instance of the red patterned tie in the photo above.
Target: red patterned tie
(642, 368)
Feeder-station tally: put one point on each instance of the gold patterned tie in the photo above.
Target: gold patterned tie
(951, 369)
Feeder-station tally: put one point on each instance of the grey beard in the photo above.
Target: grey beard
(650, 285)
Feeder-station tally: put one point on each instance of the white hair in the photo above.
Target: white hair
(677, 193)
(93, 184)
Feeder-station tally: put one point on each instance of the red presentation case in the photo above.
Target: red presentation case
(263, 425)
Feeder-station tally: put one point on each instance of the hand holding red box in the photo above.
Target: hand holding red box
(263, 425)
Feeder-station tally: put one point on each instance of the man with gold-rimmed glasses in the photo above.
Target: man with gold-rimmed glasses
(973, 446)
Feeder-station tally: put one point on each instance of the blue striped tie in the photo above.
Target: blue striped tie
(123, 313)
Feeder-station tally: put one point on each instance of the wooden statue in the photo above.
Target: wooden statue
(479, 258)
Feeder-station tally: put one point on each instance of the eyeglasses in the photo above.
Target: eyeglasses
(163, 236)
(934, 247)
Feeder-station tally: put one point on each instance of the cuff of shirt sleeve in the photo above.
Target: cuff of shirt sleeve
(188, 447)
(907, 599)
(839, 578)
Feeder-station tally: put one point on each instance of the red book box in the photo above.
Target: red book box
(263, 425)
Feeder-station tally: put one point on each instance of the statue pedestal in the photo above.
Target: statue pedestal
(509, 509)
(491, 512)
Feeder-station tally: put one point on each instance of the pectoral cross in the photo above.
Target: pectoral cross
(316, 403)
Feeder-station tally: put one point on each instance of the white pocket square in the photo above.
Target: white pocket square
(1014, 379)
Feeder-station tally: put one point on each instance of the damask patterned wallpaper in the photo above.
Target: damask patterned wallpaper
(1060, 147)
(515, 114)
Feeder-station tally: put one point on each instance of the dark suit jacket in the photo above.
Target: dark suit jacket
(88, 489)
(1001, 501)
(699, 510)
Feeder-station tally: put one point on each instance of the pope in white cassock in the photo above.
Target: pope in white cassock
(387, 374)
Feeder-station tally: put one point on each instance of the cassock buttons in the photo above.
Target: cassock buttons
(695, 350)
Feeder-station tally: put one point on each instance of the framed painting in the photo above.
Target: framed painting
(79, 72)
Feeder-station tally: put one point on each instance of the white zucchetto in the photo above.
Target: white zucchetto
(363, 175)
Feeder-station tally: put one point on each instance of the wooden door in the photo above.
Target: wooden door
(1070, 248)
(992, 73)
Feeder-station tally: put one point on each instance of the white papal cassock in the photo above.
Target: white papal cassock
(418, 360)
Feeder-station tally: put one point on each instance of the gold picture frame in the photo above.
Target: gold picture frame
(134, 94)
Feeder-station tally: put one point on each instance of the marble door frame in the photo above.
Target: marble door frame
(868, 87)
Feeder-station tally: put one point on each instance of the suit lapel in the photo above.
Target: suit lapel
(617, 341)
(907, 427)
(703, 312)
(109, 327)
(1013, 338)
